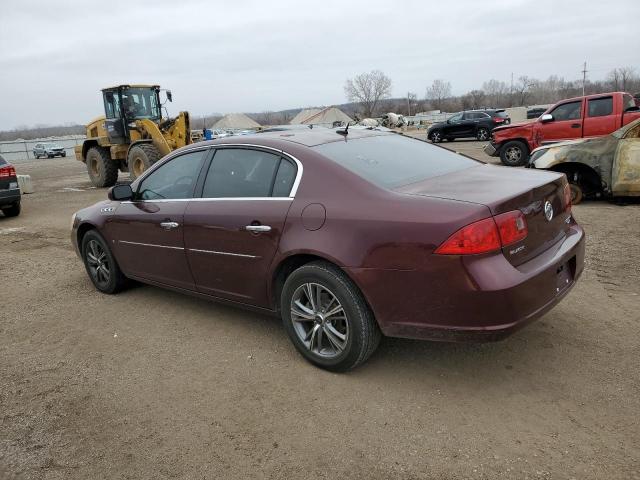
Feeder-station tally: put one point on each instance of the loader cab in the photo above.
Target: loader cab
(125, 104)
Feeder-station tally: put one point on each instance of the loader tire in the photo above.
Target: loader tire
(140, 158)
(103, 171)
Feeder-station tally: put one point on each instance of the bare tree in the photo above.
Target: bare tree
(622, 78)
(368, 89)
(522, 89)
(496, 92)
(438, 92)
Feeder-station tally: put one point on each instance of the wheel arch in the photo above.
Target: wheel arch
(588, 176)
(86, 145)
(295, 260)
(517, 139)
(83, 229)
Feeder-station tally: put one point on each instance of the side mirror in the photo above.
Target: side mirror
(119, 193)
(169, 96)
(547, 117)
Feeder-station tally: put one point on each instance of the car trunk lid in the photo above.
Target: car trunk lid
(504, 189)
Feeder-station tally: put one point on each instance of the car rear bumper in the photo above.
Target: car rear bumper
(491, 149)
(475, 298)
(10, 196)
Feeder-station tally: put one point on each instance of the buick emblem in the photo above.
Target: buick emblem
(548, 211)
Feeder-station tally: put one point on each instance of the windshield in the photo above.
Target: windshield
(52, 145)
(392, 160)
(141, 103)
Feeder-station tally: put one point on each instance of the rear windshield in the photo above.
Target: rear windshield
(500, 113)
(2, 161)
(390, 161)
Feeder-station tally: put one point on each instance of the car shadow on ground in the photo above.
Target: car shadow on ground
(529, 349)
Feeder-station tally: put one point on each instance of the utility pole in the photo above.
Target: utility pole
(511, 92)
(408, 105)
(584, 77)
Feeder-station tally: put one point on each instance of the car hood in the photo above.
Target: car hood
(514, 125)
(562, 144)
(437, 125)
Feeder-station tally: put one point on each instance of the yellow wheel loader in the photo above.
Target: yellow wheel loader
(132, 135)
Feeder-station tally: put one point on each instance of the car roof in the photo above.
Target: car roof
(305, 137)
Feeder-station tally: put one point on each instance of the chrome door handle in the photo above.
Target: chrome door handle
(169, 225)
(258, 228)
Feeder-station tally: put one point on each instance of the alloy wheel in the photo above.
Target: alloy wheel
(435, 137)
(513, 154)
(98, 263)
(483, 134)
(319, 320)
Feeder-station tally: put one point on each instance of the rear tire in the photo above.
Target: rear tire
(101, 266)
(140, 158)
(337, 342)
(514, 153)
(103, 171)
(482, 134)
(13, 210)
(64, 154)
(577, 193)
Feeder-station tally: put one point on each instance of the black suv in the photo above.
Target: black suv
(468, 124)
(9, 189)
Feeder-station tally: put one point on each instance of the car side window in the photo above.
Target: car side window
(242, 173)
(600, 107)
(284, 178)
(567, 111)
(456, 118)
(175, 179)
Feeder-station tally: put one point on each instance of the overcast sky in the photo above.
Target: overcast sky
(260, 55)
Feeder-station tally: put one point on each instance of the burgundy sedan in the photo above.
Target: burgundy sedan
(346, 236)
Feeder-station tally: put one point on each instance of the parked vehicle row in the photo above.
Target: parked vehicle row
(580, 117)
(10, 196)
(468, 124)
(345, 240)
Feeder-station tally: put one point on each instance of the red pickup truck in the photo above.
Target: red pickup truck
(580, 117)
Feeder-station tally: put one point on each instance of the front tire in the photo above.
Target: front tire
(103, 172)
(101, 266)
(327, 318)
(13, 210)
(514, 153)
(436, 136)
(140, 158)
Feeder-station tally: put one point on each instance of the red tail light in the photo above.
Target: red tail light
(7, 171)
(566, 193)
(498, 119)
(486, 235)
(479, 237)
(512, 227)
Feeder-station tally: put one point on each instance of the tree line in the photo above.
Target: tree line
(371, 91)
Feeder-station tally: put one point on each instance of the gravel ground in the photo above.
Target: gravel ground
(152, 384)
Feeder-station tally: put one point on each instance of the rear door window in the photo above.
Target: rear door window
(246, 173)
(391, 161)
(600, 107)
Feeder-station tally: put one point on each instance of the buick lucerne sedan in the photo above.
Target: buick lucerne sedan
(347, 236)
